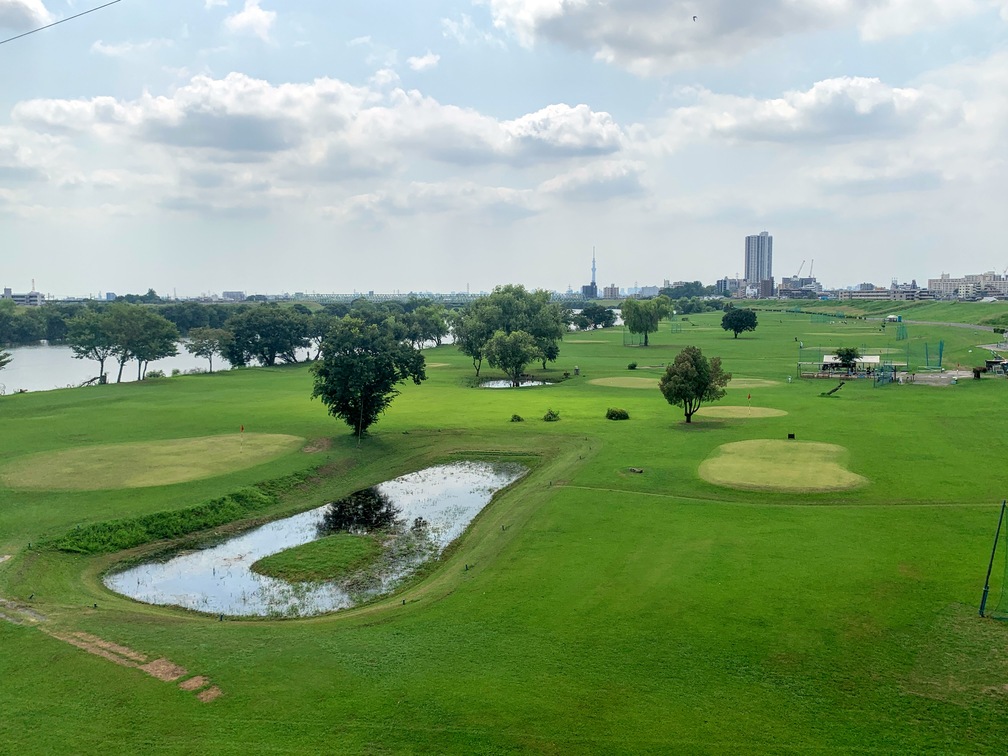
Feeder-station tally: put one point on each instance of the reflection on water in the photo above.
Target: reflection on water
(360, 512)
(439, 502)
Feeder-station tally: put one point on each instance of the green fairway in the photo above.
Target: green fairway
(650, 586)
(151, 463)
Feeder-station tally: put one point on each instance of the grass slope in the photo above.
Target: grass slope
(602, 611)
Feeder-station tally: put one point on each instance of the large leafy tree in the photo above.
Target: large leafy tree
(90, 338)
(510, 308)
(597, 316)
(643, 315)
(361, 365)
(738, 320)
(848, 357)
(207, 342)
(511, 353)
(692, 379)
(138, 333)
(267, 333)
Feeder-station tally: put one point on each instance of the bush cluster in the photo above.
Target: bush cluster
(116, 535)
(632, 366)
(517, 419)
(614, 413)
(551, 416)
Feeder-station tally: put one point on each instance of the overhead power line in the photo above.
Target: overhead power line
(62, 20)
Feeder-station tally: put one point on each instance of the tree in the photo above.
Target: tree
(90, 338)
(848, 356)
(598, 316)
(5, 358)
(206, 342)
(360, 368)
(510, 308)
(511, 353)
(739, 320)
(138, 333)
(267, 333)
(644, 315)
(692, 379)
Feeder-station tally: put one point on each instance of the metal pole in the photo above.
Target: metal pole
(986, 590)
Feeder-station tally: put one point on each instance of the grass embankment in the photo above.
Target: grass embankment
(602, 610)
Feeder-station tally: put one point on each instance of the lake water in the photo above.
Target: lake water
(44, 367)
(220, 580)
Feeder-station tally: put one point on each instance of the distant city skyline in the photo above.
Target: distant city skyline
(196, 147)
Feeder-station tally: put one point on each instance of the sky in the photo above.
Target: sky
(198, 146)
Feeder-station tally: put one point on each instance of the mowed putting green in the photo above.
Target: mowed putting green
(152, 463)
(735, 411)
(627, 382)
(739, 382)
(777, 465)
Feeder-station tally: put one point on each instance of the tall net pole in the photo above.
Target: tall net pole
(986, 589)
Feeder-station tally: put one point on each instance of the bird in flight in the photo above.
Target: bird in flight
(694, 18)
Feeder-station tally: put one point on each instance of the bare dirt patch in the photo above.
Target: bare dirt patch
(19, 614)
(742, 412)
(194, 683)
(210, 694)
(91, 648)
(4, 558)
(166, 670)
(436, 364)
(317, 445)
(115, 648)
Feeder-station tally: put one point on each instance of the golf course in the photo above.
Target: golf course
(796, 570)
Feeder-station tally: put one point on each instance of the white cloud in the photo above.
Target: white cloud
(208, 4)
(124, 49)
(424, 62)
(651, 38)
(895, 18)
(23, 15)
(598, 182)
(251, 20)
(464, 31)
(840, 109)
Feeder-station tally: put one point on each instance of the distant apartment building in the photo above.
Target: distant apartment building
(233, 296)
(759, 257)
(610, 292)
(728, 286)
(897, 292)
(31, 299)
(974, 286)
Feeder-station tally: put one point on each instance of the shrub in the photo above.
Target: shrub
(632, 366)
(614, 413)
(551, 416)
(175, 371)
(517, 419)
(154, 374)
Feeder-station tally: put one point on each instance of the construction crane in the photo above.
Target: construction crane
(798, 274)
(810, 267)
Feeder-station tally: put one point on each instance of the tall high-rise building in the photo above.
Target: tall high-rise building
(759, 258)
(591, 290)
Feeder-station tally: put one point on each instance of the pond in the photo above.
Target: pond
(498, 384)
(219, 579)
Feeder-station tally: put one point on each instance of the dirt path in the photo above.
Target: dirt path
(160, 668)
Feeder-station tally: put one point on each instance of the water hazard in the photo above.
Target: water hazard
(428, 509)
